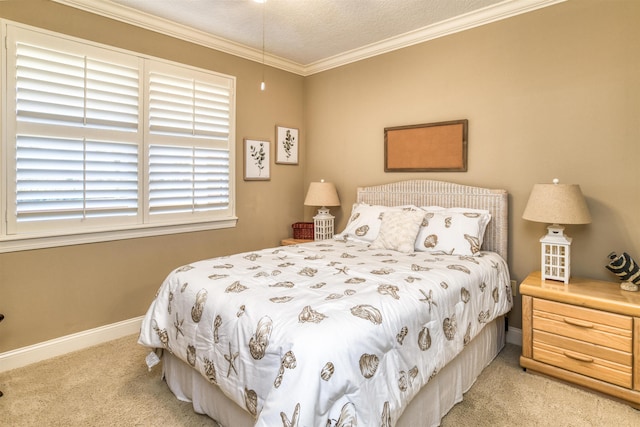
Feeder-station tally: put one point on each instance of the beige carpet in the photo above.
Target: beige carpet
(109, 385)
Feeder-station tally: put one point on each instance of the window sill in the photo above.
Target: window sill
(16, 244)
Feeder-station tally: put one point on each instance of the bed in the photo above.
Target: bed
(387, 324)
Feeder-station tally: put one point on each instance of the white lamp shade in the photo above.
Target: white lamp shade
(557, 204)
(322, 194)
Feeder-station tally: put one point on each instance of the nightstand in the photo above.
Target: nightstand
(586, 332)
(287, 242)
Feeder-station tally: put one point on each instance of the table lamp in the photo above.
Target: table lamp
(556, 204)
(322, 194)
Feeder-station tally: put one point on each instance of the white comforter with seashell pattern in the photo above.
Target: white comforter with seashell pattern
(326, 333)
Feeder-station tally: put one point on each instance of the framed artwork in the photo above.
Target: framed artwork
(287, 144)
(431, 147)
(257, 158)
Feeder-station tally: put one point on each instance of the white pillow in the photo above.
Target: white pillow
(365, 220)
(398, 230)
(456, 231)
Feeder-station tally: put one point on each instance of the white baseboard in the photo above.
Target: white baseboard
(514, 336)
(45, 350)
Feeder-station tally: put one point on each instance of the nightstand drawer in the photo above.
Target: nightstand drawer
(609, 330)
(544, 339)
(584, 364)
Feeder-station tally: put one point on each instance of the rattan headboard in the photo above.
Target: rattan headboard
(425, 192)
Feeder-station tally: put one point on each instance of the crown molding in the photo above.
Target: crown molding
(487, 15)
(179, 31)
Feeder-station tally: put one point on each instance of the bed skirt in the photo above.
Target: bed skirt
(426, 409)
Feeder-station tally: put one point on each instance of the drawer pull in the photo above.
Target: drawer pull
(578, 357)
(576, 322)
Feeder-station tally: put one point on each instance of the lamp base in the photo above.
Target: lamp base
(323, 224)
(555, 254)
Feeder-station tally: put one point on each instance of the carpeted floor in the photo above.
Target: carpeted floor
(109, 385)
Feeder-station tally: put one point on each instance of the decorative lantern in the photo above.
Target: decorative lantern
(556, 250)
(323, 225)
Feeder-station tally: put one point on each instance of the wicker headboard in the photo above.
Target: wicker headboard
(425, 192)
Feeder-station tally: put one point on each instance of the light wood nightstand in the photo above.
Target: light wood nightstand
(586, 332)
(287, 242)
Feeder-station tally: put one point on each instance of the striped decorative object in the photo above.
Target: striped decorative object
(624, 267)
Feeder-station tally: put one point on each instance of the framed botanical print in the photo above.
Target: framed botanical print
(257, 158)
(287, 144)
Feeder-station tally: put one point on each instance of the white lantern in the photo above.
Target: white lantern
(556, 259)
(323, 225)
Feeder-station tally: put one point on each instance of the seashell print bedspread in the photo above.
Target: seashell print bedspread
(326, 333)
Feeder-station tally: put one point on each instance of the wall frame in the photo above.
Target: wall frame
(431, 147)
(287, 143)
(257, 159)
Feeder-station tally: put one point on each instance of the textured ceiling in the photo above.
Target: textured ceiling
(306, 31)
(306, 36)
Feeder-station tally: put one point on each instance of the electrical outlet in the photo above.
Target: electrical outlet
(513, 287)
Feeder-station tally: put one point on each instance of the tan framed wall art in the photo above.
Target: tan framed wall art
(431, 147)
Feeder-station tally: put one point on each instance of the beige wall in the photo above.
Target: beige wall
(552, 93)
(50, 293)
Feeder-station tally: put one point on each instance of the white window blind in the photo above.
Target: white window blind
(102, 139)
(188, 107)
(58, 88)
(189, 128)
(76, 136)
(64, 179)
(187, 179)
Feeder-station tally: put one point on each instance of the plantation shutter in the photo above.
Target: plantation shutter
(63, 89)
(189, 131)
(187, 107)
(75, 146)
(63, 179)
(187, 179)
(99, 140)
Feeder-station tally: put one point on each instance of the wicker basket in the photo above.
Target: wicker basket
(302, 230)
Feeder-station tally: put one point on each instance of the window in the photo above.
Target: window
(188, 136)
(104, 141)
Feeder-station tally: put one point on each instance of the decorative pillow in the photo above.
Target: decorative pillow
(456, 231)
(365, 220)
(398, 230)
